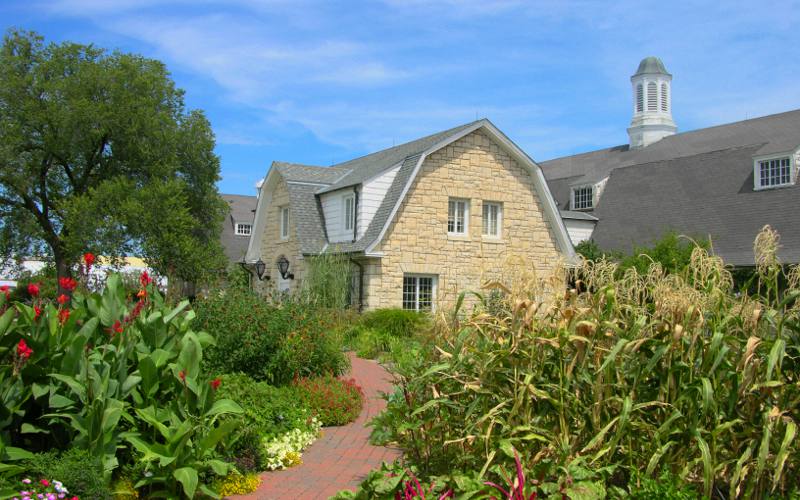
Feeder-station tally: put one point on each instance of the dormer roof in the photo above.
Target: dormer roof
(651, 66)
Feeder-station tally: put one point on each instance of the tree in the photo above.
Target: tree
(98, 153)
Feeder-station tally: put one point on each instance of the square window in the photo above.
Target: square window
(775, 172)
(418, 292)
(284, 213)
(243, 229)
(582, 198)
(492, 219)
(457, 216)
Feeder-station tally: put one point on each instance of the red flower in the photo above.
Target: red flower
(142, 293)
(88, 259)
(45, 482)
(4, 289)
(117, 327)
(63, 316)
(62, 299)
(33, 289)
(145, 279)
(23, 351)
(37, 311)
(67, 283)
(182, 375)
(215, 383)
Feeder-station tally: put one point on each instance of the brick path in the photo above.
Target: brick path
(342, 457)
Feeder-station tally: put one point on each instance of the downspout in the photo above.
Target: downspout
(355, 213)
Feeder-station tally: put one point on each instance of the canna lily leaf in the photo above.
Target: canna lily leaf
(223, 406)
(187, 476)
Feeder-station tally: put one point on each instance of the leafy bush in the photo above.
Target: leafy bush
(237, 484)
(78, 470)
(116, 376)
(327, 282)
(273, 343)
(652, 372)
(396, 322)
(286, 450)
(333, 400)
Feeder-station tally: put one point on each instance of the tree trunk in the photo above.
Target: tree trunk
(63, 268)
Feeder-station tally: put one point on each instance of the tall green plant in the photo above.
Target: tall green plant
(328, 281)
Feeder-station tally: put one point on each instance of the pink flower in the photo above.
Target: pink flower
(45, 482)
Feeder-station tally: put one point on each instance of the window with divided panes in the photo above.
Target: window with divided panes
(457, 215)
(418, 292)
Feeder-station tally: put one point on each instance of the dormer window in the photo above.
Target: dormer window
(349, 212)
(243, 229)
(773, 172)
(583, 198)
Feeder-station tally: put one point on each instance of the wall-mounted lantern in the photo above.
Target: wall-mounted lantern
(283, 267)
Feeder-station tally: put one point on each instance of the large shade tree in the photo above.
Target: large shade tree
(98, 153)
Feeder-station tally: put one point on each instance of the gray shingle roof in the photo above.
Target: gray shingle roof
(307, 173)
(774, 134)
(241, 211)
(709, 194)
(307, 214)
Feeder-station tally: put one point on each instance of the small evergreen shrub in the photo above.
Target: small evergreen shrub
(81, 473)
(334, 401)
(396, 322)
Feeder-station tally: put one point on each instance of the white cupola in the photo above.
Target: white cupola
(652, 104)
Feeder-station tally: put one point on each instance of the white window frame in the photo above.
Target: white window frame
(417, 286)
(284, 222)
(591, 198)
(240, 230)
(349, 221)
(486, 222)
(455, 202)
(757, 184)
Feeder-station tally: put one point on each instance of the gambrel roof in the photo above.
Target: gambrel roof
(305, 183)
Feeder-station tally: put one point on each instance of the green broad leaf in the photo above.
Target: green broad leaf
(653, 462)
(160, 357)
(783, 452)
(111, 415)
(39, 390)
(600, 435)
(210, 441)
(507, 448)
(205, 490)
(149, 415)
(435, 368)
(205, 338)
(613, 354)
(14, 454)
(88, 328)
(27, 428)
(219, 467)
(150, 451)
(130, 382)
(178, 309)
(187, 476)
(775, 356)
(708, 466)
(6, 319)
(77, 388)
(59, 401)
(585, 490)
(223, 406)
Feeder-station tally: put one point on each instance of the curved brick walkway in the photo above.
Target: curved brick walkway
(342, 457)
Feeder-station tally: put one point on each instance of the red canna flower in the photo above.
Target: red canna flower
(23, 351)
(142, 293)
(37, 311)
(62, 299)
(145, 279)
(67, 283)
(63, 315)
(182, 375)
(117, 327)
(88, 259)
(215, 383)
(33, 289)
(4, 289)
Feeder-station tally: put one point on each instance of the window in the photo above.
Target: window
(243, 229)
(457, 216)
(582, 198)
(418, 292)
(639, 98)
(652, 96)
(284, 223)
(774, 172)
(492, 219)
(348, 211)
(664, 98)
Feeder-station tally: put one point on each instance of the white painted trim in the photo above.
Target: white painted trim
(499, 235)
(285, 222)
(305, 183)
(239, 224)
(572, 196)
(466, 202)
(434, 289)
(546, 197)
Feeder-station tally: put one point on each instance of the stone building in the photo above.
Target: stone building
(420, 222)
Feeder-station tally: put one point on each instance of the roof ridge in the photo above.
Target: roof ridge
(677, 158)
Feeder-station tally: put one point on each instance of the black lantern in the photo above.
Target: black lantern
(283, 267)
(261, 267)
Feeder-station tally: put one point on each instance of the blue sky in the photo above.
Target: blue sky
(322, 82)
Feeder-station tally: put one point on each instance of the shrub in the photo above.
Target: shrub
(286, 450)
(272, 343)
(327, 282)
(649, 372)
(395, 322)
(333, 400)
(79, 471)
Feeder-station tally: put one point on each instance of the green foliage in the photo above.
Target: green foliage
(644, 372)
(268, 411)
(332, 400)
(667, 487)
(396, 322)
(327, 283)
(117, 378)
(103, 133)
(269, 342)
(81, 473)
(590, 250)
